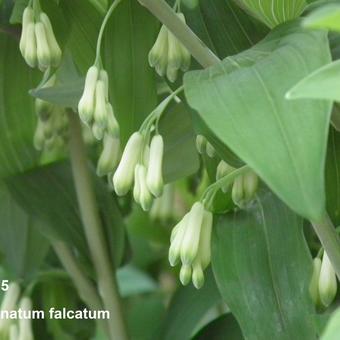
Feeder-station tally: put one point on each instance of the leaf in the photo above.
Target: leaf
(274, 12)
(263, 280)
(325, 17)
(320, 84)
(132, 281)
(333, 176)
(180, 154)
(22, 247)
(129, 36)
(224, 27)
(84, 23)
(332, 330)
(187, 308)
(17, 117)
(224, 327)
(242, 101)
(48, 194)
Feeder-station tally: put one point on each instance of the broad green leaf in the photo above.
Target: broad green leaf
(84, 23)
(129, 36)
(180, 154)
(48, 194)
(224, 27)
(242, 100)
(325, 17)
(320, 84)
(274, 12)
(332, 330)
(333, 176)
(187, 308)
(262, 267)
(17, 117)
(22, 247)
(132, 281)
(224, 327)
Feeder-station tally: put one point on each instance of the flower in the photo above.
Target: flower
(327, 281)
(109, 156)
(190, 244)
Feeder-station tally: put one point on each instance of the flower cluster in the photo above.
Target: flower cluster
(38, 44)
(190, 244)
(141, 165)
(8, 328)
(168, 55)
(323, 285)
(52, 127)
(244, 186)
(94, 107)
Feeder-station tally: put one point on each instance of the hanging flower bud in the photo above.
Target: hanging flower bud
(109, 157)
(197, 275)
(237, 193)
(100, 114)
(191, 238)
(314, 283)
(145, 198)
(25, 325)
(136, 187)
(154, 175)
(327, 281)
(211, 152)
(185, 274)
(112, 123)
(103, 76)
(27, 18)
(250, 185)
(158, 55)
(201, 144)
(87, 101)
(174, 57)
(9, 302)
(98, 131)
(124, 175)
(31, 46)
(55, 51)
(176, 240)
(43, 50)
(224, 169)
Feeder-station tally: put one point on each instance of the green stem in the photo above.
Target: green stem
(84, 286)
(102, 28)
(107, 284)
(330, 241)
(161, 10)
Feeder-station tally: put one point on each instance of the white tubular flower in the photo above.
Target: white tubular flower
(100, 114)
(109, 157)
(25, 326)
(87, 101)
(103, 76)
(197, 275)
(185, 274)
(112, 123)
(224, 169)
(205, 239)
(27, 18)
(158, 55)
(237, 193)
(9, 302)
(189, 247)
(176, 239)
(327, 281)
(186, 56)
(123, 177)
(31, 46)
(43, 50)
(201, 144)
(210, 150)
(14, 332)
(174, 57)
(145, 198)
(250, 185)
(314, 282)
(136, 187)
(55, 50)
(154, 175)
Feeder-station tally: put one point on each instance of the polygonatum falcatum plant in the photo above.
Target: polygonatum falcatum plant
(172, 165)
